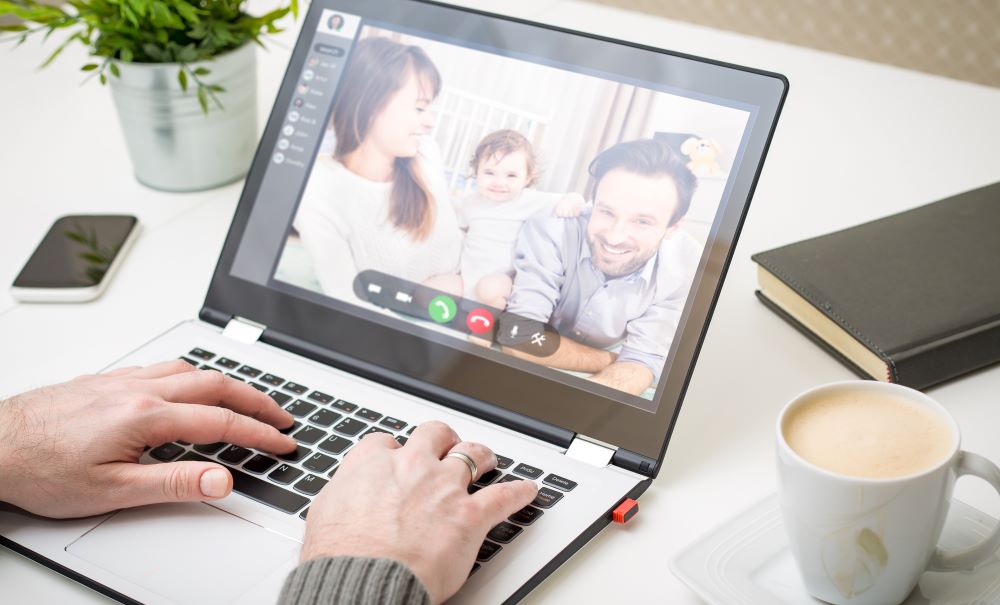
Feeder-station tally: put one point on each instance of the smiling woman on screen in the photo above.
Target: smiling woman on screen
(380, 201)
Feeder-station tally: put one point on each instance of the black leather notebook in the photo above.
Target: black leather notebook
(912, 298)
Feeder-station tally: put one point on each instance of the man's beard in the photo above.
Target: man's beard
(626, 266)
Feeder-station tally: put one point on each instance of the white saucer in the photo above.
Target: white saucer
(746, 562)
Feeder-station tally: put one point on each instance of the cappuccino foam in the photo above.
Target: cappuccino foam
(868, 435)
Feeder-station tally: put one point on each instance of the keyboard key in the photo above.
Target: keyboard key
(503, 461)
(295, 426)
(561, 482)
(179, 442)
(260, 490)
(412, 428)
(344, 406)
(201, 353)
(248, 371)
(487, 551)
(335, 444)
(333, 472)
(205, 366)
(281, 398)
(166, 452)
(324, 417)
(300, 408)
(526, 470)
(260, 387)
(526, 516)
(393, 423)
(309, 434)
(210, 448)
(507, 478)
(271, 379)
(374, 429)
(321, 397)
(234, 454)
(285, 474)
(350, 426)
(310, 485)
(304, 514)
(235, 377)
(259, 464)
(474, 488)
(475, 568)
(318, 462)
(295, 387)
(227, 363)
(300, 452)
(190, 361)
(489, 477)
(369, 415)
(547, 497)
(401, 440)
(504, 532)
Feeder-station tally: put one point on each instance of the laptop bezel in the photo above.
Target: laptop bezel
(449, 375)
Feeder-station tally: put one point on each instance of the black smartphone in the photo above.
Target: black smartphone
(76, 259)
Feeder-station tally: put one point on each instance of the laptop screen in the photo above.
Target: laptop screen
(539, 202)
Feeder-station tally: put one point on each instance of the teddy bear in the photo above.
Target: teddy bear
(703, 154)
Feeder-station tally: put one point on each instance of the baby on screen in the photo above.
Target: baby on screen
(505, 168)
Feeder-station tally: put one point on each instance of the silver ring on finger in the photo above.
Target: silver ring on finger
(469, 462)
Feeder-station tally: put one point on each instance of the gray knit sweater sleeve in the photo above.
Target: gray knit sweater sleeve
(353, 581)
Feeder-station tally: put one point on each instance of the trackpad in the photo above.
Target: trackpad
(187, 553)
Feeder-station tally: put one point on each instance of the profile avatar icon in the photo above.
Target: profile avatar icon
(335, 23)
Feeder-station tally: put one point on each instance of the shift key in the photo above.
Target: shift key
(259, 490)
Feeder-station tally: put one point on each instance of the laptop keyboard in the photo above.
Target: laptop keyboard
(326, 428)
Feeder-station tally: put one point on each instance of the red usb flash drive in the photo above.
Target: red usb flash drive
(625, 511)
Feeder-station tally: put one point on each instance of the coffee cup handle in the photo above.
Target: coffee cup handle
(971, 464)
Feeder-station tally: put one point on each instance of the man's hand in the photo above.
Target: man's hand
(411, 504)
(71, 449)
(569, 205)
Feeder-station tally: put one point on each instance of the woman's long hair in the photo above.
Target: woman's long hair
(378, 68)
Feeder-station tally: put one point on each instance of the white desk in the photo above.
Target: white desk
(856, 141)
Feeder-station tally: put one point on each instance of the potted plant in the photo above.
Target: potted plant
(182, 74)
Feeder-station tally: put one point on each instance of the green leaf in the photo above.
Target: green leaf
(58, 50)
(17, 27)
(182, 77)
(187, 11)
(94, 258)
(104, 79)
(203, 99)
(216, 88)
(89, 67)
(125, 54)
(202, 71)
(76, 237)
(114, 70)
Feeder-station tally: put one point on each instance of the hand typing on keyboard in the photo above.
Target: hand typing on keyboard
(411, 503)
(71, 449)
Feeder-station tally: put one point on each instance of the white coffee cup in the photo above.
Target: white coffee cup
(866, 541)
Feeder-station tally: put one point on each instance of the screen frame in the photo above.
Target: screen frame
(448, 370)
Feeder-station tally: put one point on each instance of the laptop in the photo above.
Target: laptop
(454, 216)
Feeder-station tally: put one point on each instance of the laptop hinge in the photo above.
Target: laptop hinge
(243, 330)
(591, 451)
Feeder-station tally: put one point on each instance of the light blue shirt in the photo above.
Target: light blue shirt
(556, 282)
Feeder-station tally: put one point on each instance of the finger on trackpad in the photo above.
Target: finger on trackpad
(188, 553)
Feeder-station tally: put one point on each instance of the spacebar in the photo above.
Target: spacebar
(259, 490)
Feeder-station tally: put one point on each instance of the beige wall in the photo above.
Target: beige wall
(954, 38)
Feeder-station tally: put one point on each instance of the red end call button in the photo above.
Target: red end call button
(479, 321)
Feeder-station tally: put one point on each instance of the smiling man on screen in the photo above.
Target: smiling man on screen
(613, 281)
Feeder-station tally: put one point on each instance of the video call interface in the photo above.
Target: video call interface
(527, 211)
